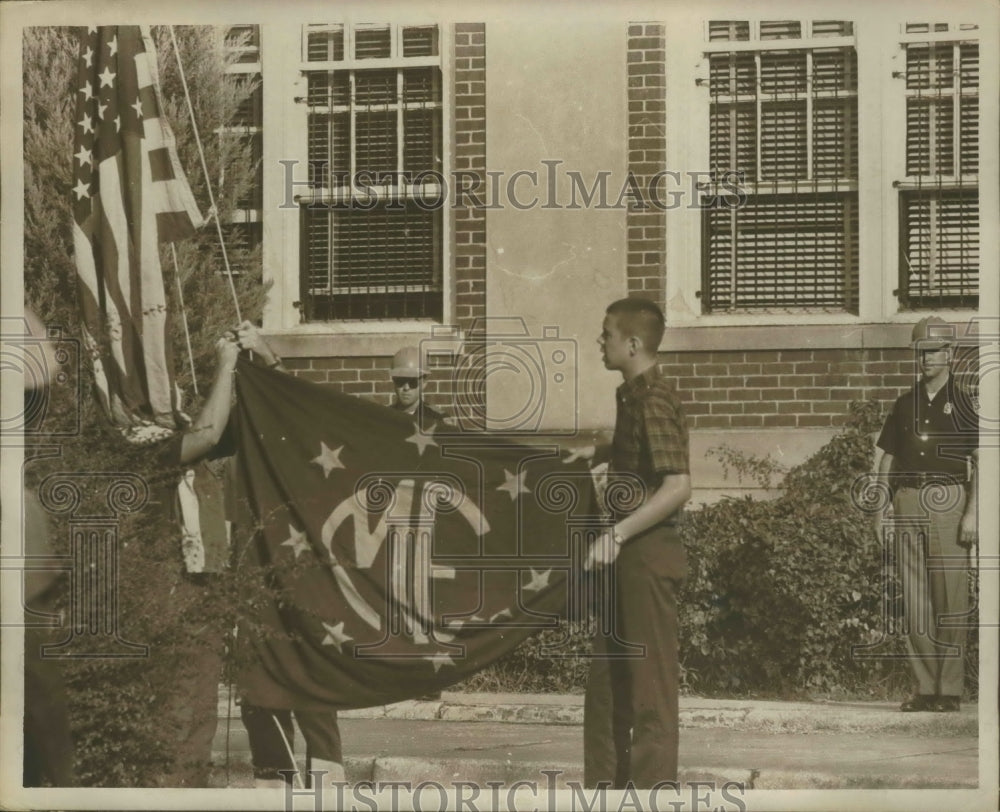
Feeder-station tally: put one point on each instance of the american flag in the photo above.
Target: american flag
(130, 194)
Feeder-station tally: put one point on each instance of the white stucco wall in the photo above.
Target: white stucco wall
(552, 266)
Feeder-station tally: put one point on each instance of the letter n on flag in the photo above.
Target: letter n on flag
(129, 195)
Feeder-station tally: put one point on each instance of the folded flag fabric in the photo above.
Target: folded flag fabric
(398, 559)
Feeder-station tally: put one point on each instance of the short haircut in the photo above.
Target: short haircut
(641, 318)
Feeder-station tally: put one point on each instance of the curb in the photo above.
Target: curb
(761, 716)
(695, 712)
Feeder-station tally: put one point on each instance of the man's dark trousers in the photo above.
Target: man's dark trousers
(631, 706)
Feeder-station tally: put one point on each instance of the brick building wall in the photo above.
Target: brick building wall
(369, 376)
(646, 237)
(783, 388)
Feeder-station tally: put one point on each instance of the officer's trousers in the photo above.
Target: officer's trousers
(933, 569)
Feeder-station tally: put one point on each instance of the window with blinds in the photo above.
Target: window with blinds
(783, 111)
(375, 111)
(939, 196)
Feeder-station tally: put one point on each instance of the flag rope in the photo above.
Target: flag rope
(291, 753)
(184, 318)
(204, 168)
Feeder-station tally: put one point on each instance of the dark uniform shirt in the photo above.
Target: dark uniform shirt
(931, 436)
(425, 414)
(651, 435)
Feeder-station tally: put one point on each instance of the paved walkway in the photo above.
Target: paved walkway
(763, 745)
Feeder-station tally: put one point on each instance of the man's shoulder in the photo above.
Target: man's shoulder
(907, 397)
(659, 390)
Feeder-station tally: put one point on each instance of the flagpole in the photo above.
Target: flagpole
(184, 317)
(204, 169)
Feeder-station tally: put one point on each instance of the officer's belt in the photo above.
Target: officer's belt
(921, 479)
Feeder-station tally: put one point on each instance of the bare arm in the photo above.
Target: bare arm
(969, 530)
(666, 500)
(207, 428)
(885, 465)
(249, 338)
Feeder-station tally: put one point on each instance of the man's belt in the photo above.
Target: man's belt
(919, 480)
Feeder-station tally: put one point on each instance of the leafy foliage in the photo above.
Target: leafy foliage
(129, 716)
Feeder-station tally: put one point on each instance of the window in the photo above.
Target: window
(371, 226)
(783, 111)
(939, 196)
(858, 143)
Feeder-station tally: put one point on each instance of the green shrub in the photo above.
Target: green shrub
(781, 590)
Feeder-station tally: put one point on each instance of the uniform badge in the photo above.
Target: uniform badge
(947, 408)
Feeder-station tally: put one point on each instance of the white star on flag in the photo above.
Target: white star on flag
(81, 190)
(100, 110)
(335, 636)
(514, 484)
(539, 580)
(297, 540)
(85, 156)
(86, 91)
(87, 123)
(107, 77)
(328, 459)
(422, 438)
(138, 108)
(439, 659)
(89, 56)
(113, 46)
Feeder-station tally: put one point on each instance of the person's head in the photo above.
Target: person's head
(931, 340)
(407, 377)
(631, 334)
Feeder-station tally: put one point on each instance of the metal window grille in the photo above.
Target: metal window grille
(374, 120)
(783, 112)
(939, 197)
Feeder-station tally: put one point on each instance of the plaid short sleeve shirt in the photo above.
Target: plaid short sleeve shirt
(651, 435)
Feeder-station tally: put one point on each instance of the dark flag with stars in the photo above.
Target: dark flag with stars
(129, 195)
(401, 559)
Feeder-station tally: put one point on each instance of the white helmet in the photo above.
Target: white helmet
(406, 364)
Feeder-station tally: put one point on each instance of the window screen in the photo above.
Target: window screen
(380, 126)
(783, 113)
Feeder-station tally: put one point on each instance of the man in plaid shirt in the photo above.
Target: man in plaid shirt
(631, 708)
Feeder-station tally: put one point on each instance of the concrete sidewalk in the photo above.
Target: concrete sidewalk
(765, 745)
